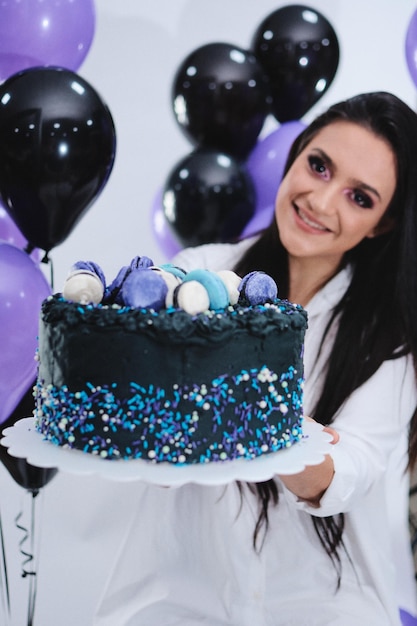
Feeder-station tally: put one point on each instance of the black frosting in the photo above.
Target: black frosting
(174, 325)
(139, 356)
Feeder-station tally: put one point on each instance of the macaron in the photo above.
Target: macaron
(192, 297)
(257, 288)
(90, 266)
(141, 263)
(215, 287)
(84, 287)
(112, 293)
(232, 282)
(144, 289)
(173, 269)
(171, 281)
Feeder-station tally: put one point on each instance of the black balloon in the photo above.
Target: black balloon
(208, 197)
(28, 476)
(220, 98)
(57, 148)
(299, 51)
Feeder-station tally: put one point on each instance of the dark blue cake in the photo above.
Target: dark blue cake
(127, 382)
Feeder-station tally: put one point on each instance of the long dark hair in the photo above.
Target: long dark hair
(376, 316)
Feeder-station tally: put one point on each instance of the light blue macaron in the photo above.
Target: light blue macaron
(216, 289)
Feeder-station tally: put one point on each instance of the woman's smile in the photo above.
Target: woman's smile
(305, 220)
(335, 193)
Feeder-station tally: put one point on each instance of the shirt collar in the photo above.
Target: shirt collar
(327, 297)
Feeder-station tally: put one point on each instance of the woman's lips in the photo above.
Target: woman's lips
(311, 224)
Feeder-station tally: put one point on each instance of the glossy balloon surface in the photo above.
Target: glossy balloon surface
(220, 98)
(9, 233)
(44, 32)
(266, 164)
(23, 287)
(299, 51)
(57, 148)
(30, 477)
(208, 197)
(163, 234)
(411, 47)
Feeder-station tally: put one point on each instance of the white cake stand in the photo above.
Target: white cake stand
(23, 441)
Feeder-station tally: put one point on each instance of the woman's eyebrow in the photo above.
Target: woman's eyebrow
(366, 187)
(354, 181)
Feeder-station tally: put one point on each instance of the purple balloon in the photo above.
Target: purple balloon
(10, 233)
(407, 619)
(267, 160)
(44, 32)
(161, 230)
(266, 165)
(260, 220)
(411, 47)
(23, 287)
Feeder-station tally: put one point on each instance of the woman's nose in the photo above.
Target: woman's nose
(323, 201)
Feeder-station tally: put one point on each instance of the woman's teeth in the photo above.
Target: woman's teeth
(309, 222)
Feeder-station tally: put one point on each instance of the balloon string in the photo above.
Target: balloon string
(29, 535)
(47, 259)
(51, 266)
(4, 580)
(33, 577)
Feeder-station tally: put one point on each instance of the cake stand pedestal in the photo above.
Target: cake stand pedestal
(23, 441)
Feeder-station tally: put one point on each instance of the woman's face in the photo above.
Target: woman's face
(335, 193)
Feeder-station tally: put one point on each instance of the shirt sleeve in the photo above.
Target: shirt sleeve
(372, 423)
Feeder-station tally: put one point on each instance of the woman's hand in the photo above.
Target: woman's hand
(327, 429)
(311, 484)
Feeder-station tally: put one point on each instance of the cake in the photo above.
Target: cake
(170, 366)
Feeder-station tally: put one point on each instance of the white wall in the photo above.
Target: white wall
(137, 48)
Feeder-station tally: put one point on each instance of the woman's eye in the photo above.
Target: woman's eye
(362, 199)
(318, 165)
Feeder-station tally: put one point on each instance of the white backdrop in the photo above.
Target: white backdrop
(136, 50)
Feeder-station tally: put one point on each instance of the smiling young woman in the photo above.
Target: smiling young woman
(331, 199)
(328, 546)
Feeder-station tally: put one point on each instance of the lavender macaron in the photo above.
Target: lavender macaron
(144, 289)
(257, 288)
(113, 292)
(89, 266)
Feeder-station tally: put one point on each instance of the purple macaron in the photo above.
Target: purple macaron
(257, 288)
(144, 289)
(90, 266)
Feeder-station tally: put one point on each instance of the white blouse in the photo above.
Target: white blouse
(188, 558)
